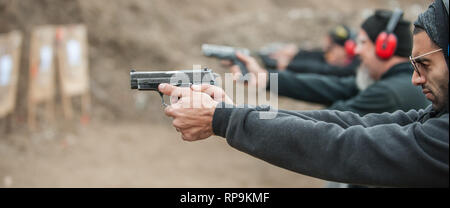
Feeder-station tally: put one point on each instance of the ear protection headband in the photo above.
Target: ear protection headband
(350, 45)
(386, 42)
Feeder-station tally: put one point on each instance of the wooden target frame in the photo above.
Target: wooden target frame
(41, 88)
(73, 70)
(10, 49)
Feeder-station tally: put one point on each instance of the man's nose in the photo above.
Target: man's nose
(358, 49)
(417, 80)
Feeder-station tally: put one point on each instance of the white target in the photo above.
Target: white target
(5, 69)
(73, 49)
(46, 58)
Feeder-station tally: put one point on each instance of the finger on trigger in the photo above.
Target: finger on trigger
(166, 89)
(181, 92)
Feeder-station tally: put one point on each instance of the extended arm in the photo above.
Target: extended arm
(358, 150)
(315, 88)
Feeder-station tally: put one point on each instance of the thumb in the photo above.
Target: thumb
(242, 57)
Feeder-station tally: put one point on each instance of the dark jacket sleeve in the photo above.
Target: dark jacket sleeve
(347, 119)
(317, 67)
(375, 99)
(315, 55)
(315, 88)
(343, 147)
(302, 55)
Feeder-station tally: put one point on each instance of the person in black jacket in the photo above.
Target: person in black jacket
(336, 58)
(400, 149)
(379, 86)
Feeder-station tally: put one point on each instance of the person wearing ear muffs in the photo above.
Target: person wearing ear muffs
(337, 57)
(381, 84)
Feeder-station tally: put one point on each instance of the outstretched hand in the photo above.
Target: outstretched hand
(258, 75)
(284, 56)
(192, 111)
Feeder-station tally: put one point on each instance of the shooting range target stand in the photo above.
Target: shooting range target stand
(73, 71)
(10, 50)
(41, 74)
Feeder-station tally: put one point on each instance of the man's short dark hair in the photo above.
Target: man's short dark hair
(418, 30)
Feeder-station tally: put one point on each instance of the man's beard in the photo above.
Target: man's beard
(363, 79)
(440, 102)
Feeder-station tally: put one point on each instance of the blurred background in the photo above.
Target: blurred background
(128, 142)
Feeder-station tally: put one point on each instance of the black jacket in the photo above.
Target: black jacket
(314, 62)
(392, 92)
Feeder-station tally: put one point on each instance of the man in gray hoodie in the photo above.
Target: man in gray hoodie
(400, 149)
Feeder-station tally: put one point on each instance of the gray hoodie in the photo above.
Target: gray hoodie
(400, 149)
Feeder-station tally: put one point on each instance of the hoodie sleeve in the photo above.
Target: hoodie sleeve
(314, 87)
(317, 67)
(379, 149)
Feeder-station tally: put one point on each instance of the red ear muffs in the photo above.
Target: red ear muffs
(350, 47)
(385, 45)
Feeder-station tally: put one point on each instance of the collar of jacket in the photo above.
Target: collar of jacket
(404, 67)
(431, 113)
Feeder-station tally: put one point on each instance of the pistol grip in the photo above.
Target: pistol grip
(243, 68)
(162, 99)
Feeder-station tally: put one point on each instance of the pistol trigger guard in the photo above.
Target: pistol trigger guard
(162, 99)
